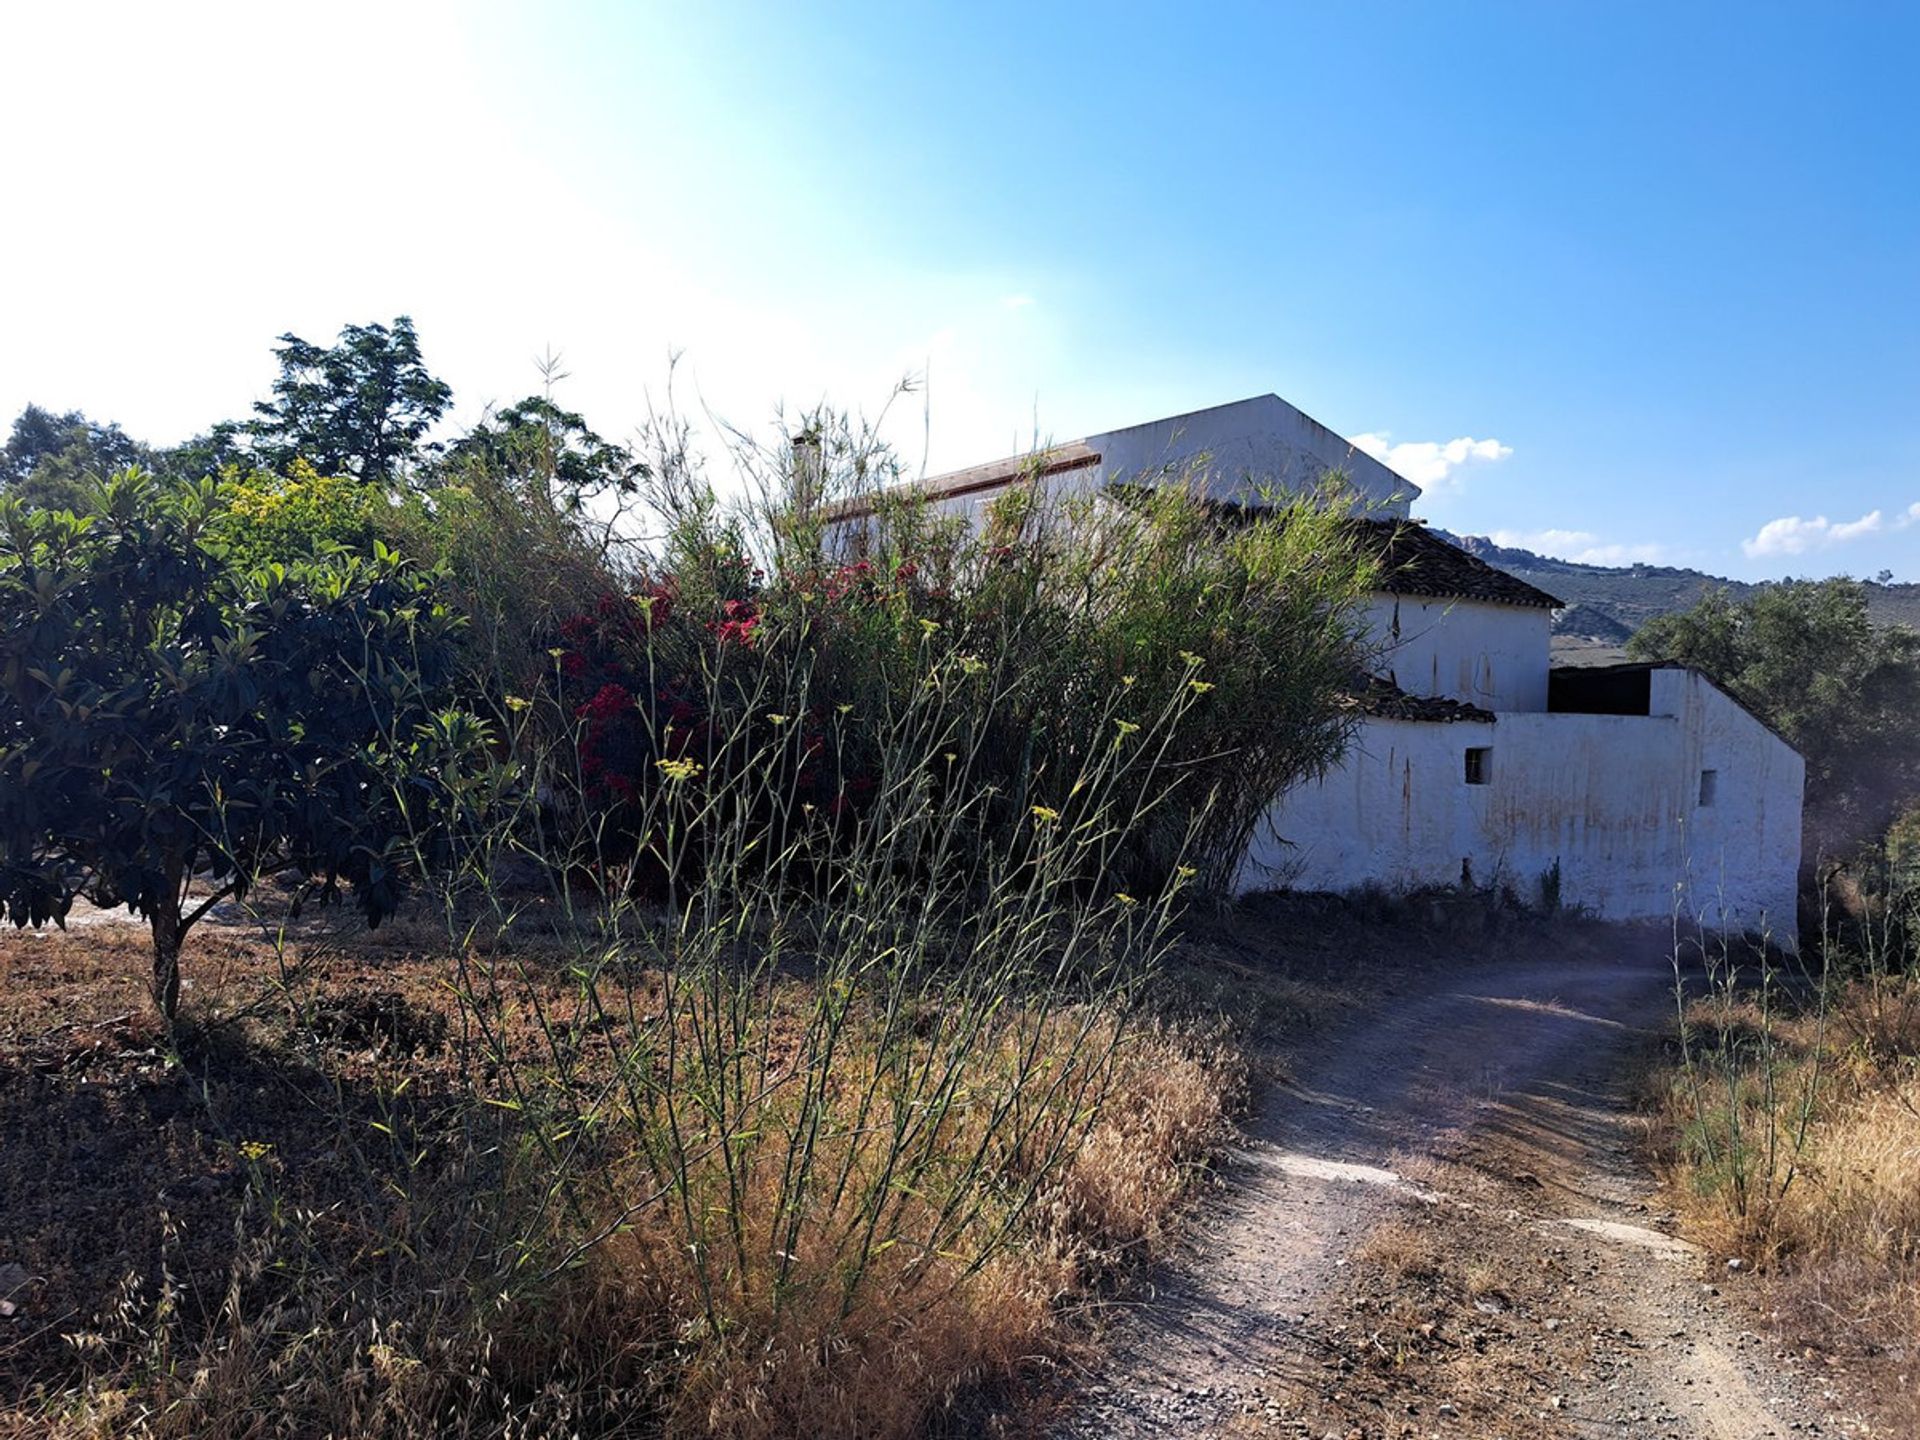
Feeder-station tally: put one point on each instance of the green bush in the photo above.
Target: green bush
(1074, 628)
(1903, 860)
(301, 515)
(170, 718)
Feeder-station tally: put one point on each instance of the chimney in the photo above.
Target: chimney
(808, 472)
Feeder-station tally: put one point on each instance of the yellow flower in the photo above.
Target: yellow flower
(1200, 687)
(774, 719)
(1193, 660)
(517, 703)
(1127, 727)
(1045, 814)
(1124, 898)
(678, 770)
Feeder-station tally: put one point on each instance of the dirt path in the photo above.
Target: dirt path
(1441, 1228)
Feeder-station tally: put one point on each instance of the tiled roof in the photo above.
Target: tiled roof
(1414, 561)
(1385, 700)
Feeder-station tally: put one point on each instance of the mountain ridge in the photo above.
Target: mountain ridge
(1606, 604)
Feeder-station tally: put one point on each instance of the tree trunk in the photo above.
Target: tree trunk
(166, 959)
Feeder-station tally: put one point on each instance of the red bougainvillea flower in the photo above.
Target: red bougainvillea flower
(738, 626)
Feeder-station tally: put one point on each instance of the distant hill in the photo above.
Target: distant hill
(1607, 603)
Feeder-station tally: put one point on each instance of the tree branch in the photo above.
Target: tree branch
(187, 921)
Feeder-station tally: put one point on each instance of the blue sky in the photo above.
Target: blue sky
(1650, 275)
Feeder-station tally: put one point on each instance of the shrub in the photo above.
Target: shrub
(518, 546)
(301, 515)
(1792, 1121)
(170, 717)
(1075, 623)
(830, 1073)
(1903, 861)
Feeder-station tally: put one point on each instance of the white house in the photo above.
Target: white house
(1630, 791)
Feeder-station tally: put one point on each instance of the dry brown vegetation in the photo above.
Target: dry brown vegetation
(278, 1227)
(282, 1226)
(1790, 1135)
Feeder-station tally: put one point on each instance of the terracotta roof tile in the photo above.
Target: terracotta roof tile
(1415, 561)
(1385, 700)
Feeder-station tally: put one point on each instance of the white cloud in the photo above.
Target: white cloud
(1792, 535)
(1580, 546)
(1430, 463)
(1867, 524)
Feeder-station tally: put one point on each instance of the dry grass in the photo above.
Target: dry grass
(1402, 1251)
(323, 1281)
(1830, 1105)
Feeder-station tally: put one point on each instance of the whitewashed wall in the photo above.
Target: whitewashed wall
(1493, 656)
(1252, 443)
(1742, 852)
(1613, 799)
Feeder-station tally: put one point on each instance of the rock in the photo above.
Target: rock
(13, 1283)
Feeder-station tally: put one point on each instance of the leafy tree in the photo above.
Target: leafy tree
(167, 717)
(360, 408)
(526, 522)
(1805, 657)
(221, 447)
(50, 460)
(551, 455)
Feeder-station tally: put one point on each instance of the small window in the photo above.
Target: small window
(1709, 786)
(1480, 765)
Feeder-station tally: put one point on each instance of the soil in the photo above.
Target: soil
(125, 1161)
(1441, 1225)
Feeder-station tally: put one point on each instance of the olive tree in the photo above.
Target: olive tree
(174, 725)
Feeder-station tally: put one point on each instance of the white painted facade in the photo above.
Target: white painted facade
(1620, 804)
(1650, 795)
(1493, 656)
(1252, 446)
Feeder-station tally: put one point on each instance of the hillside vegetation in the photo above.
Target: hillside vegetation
(1607, 603)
